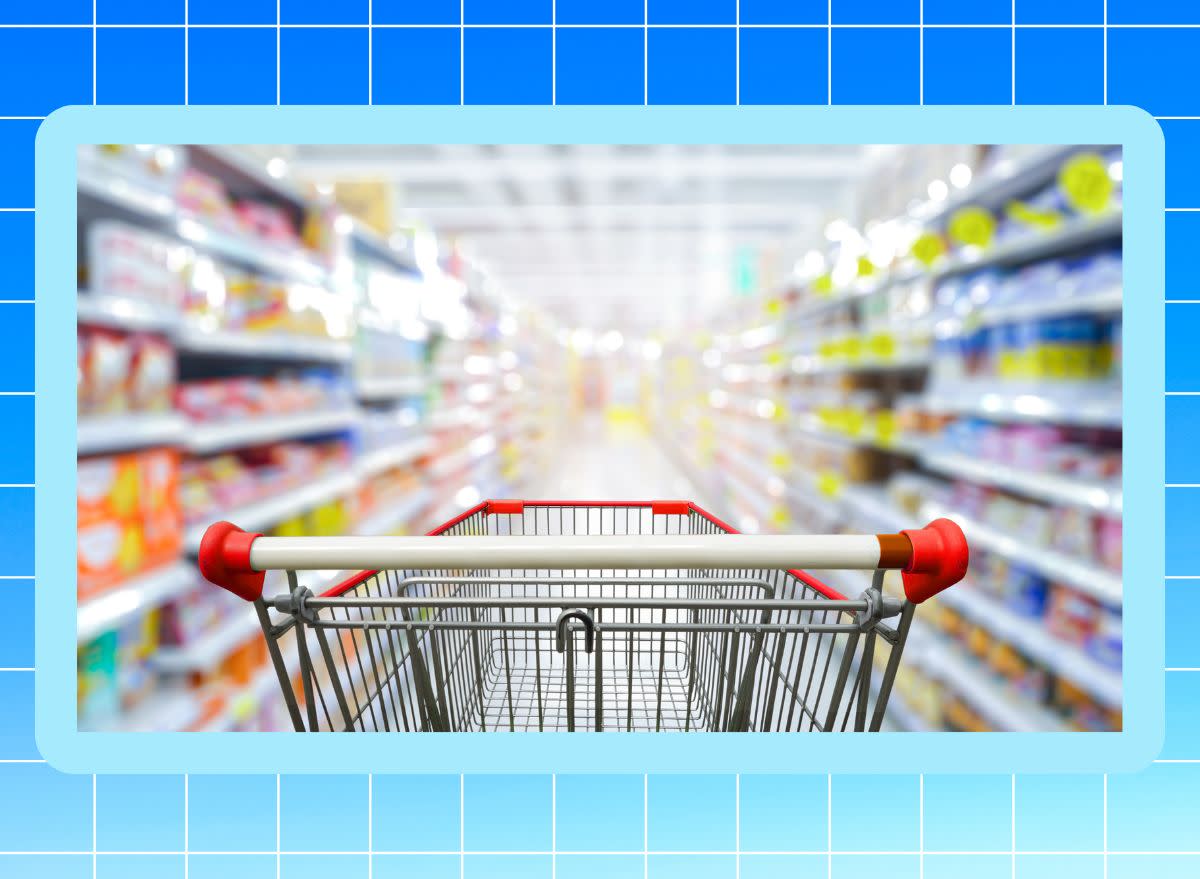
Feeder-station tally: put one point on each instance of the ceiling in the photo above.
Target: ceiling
(627, 237)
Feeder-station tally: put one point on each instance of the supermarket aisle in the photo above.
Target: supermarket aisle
(602, 461)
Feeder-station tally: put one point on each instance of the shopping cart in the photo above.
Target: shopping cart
(570, 615)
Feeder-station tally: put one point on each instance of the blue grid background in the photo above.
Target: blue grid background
(57, 52)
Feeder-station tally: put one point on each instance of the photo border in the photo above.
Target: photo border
(1143, 683)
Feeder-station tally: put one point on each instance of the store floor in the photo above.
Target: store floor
(601, 459)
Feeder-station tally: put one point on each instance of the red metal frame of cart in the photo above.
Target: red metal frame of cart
(586, 616)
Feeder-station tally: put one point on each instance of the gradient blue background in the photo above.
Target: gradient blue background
(452, 51)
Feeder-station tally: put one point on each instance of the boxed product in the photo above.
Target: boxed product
(130, 262)
(128, 516)
(1105, 643)
(1072, 616)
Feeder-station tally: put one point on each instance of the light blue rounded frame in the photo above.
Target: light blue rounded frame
(55, 714)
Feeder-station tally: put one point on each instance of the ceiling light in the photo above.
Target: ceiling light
(277, 167)
(938, 190)
(960, 175)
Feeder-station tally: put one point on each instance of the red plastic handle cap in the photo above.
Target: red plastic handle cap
(939, 559)
(225, 560)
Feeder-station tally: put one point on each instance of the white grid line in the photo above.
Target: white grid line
(921, 826)
(1105, 828)
(808, 853)
(674, 26)
(829, 824)
(1012, 793)
(1013, 73)
(737, 824)
(646, 826)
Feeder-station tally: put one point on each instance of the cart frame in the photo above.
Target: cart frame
(667, 619)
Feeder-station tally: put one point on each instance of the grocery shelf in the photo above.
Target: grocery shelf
(112, 433)
(265, 513)
(123, 313)
(276, 346)
(1103, 497)
(374, 389)
(206, 652)
(1079, 404)
(393, 515)
(125, 194)
(1088, 578)
(1009, 180)
(378, 460)
(170, 710)
(261, 255)
(811, 426)
(116, 606)
(203, 438)
(1108, 301)
(872, 503)
(1004, 710)
(807, 365)
(1069, 235)
(1032, 639)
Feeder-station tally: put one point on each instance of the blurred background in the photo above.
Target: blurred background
(811, 339)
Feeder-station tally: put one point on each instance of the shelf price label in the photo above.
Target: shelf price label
(823, 285)
(781, 462)
(866, 268)
(1085, 181)
(972, 226)
(928, 248)
(1031, 216)
(829, 483)
(882, 346)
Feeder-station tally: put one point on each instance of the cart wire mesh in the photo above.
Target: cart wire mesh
(480, 650)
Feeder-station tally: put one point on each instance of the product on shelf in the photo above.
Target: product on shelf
(128, 517)
(213, 486)
(221, 297)
(115, 671)
(204, 197)
(123, 372)
(129, 262)
(224, 399)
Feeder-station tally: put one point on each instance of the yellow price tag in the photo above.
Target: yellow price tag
(1031, 216)
(852, 347)
(829, 483)
(972, 226)
(779, 517)
(774, 307)
(775, 358)
(882, 346)
(1086, 182)
(853, 421)
(928, 247)
(781, 461)
(866, 268)
(823, 284)
(885, 427)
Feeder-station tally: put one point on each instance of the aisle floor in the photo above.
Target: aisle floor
(602, 461)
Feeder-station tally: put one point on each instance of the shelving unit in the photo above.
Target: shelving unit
(806, 370)
(413, 449)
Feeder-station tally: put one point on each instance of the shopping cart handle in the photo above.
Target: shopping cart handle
(225, 560)
(939, 559)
